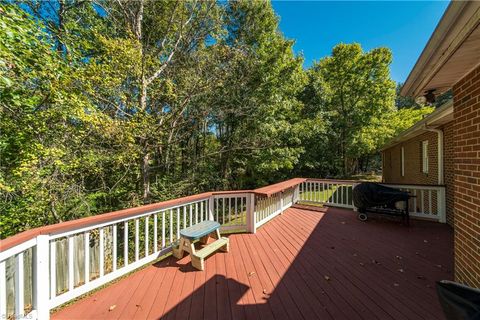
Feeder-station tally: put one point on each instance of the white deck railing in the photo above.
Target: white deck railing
(46, 267)
(335, 193)
(268, 207)
(428, 201)
(49, 266)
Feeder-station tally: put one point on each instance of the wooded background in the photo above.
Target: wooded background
(112, 104)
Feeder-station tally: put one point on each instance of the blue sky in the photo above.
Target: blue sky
(404, 27)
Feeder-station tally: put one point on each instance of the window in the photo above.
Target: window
(425, 156)
(402, 161)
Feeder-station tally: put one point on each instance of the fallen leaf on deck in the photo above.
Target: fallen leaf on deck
(265, 291)
(112, 307)
(438, 265)
(398, 257)
(426, 241)
(327, 278)
(362, 264)
(400, 270)
(396, 285)
(251, 273)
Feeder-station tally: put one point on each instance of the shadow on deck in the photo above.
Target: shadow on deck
(301, 265)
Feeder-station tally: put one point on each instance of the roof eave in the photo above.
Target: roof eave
(444, 41)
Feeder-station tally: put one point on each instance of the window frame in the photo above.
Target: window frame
(424, 155)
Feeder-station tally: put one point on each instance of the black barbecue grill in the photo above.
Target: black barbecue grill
(369, 197)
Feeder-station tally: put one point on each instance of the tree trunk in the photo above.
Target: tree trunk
(60, 30)
(146, 177)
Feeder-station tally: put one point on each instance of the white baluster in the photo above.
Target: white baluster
(101, 253)
(415, 201)
(155, 233)
(86, 245)
(184, 216)
(171, 226)
(71, 262)
(235, 213)
(191, 215)
(178, 223)
(163, 229)
(53, 269)
(430, 202)
(423, 201)
(114, 253)
(19, 286)
(125, 244)
(137, 241)
(40, 279)
(196, 212)
(146, 235)
(3, 290)
(229, 209)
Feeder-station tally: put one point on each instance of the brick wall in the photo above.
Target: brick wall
(413, 164)
(448, 169)
(413, 161)
(466, 106)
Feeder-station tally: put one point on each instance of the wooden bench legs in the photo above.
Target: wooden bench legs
(198, 257)
(226, 247)
(185, 245)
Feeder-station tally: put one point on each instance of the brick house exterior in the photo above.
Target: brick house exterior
(448, 170)
(450, 61)
(392, 167)
(411, 142)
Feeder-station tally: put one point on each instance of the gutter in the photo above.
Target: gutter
(440, 153)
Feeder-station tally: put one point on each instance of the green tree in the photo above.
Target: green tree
(348, 90)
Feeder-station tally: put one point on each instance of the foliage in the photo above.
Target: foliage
(351, 100)
(112, 104)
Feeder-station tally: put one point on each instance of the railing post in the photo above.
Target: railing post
(296, 194)
(3, 291)
(41, 288)
(441, 205)
(251, 227)
(281, 202)
(211, 200)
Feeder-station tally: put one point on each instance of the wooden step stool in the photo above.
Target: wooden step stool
(200, 231)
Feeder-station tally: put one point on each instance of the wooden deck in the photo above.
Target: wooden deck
(301, 265)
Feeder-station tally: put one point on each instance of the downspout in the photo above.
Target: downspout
(440, 153)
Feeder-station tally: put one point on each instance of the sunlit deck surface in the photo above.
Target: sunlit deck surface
(301, 265)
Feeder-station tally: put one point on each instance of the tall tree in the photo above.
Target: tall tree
(349, 89)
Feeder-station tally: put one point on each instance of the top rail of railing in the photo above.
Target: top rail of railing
(385, 183)
(279, 187)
